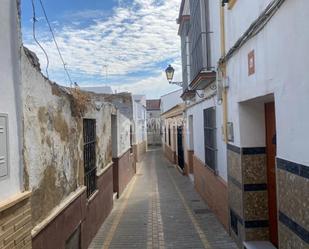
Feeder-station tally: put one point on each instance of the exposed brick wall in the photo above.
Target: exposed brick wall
(212, 189)
(15, 226)
(170, 154)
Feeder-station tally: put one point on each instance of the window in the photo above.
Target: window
(90, 156)
(3, 146)
(210, 137)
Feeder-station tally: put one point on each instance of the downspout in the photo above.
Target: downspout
(222, 67)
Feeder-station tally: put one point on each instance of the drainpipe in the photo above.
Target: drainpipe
(223, 70)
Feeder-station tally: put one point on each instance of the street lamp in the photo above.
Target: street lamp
(169, 71)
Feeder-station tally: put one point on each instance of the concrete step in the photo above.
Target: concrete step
(258, 245)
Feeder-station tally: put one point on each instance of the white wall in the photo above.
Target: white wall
(170, 100)
(198, 134)
(10, 101)
(282, 69)
(140, 121)
(214, 19)
(240, 17)
(123, 133)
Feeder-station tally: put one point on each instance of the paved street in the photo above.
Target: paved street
(160, 209)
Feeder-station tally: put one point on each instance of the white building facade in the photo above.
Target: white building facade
(14, 199)
(268, 99)
(246, 92)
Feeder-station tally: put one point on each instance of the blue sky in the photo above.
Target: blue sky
(133, 40)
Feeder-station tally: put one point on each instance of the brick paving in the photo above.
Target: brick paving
(160, 209)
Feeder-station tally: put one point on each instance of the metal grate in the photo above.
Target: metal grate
(90, 155)
(210, 137)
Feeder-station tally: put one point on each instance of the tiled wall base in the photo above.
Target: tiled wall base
(248, 201)
(293, 199)
(247, 187)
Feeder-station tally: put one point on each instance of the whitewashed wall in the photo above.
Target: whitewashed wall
(240, 17)
(123, 133)
(198, 134)
(140, 121)
(10, 99)
(281, 68)
(170, 100)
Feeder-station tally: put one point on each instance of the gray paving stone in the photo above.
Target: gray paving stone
(149, 210)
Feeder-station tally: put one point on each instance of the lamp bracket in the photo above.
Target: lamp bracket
(176, 83)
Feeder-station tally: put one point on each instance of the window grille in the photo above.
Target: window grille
(90, 156)
(210, 137)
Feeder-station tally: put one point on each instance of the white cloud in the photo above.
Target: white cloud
(137, 37)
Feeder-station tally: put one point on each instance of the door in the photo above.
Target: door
(180, 148)
(271, 148)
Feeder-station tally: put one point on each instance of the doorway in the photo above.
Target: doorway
(180, 151)
(271, 149)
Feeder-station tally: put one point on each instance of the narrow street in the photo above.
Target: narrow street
(160, 209)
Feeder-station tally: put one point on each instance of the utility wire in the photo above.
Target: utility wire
(55, 41)
(254, 28)
(36, 40)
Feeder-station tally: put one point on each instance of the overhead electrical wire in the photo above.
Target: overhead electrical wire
(36, 40)
(55, 41)
(254, 28)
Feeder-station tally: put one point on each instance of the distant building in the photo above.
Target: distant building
(153, 121)
(98, 89)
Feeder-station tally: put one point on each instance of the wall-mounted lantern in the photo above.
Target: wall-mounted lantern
(169, 71)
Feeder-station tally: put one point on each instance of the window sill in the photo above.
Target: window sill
(92, 197)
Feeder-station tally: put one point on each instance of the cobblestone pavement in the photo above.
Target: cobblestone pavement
(160, 209)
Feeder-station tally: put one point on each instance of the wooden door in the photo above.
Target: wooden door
(271, 150)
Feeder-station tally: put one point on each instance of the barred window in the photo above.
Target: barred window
(210, 137)
(90, 155)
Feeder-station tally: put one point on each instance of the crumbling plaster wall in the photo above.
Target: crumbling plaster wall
(53, 137)
(123, 134)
